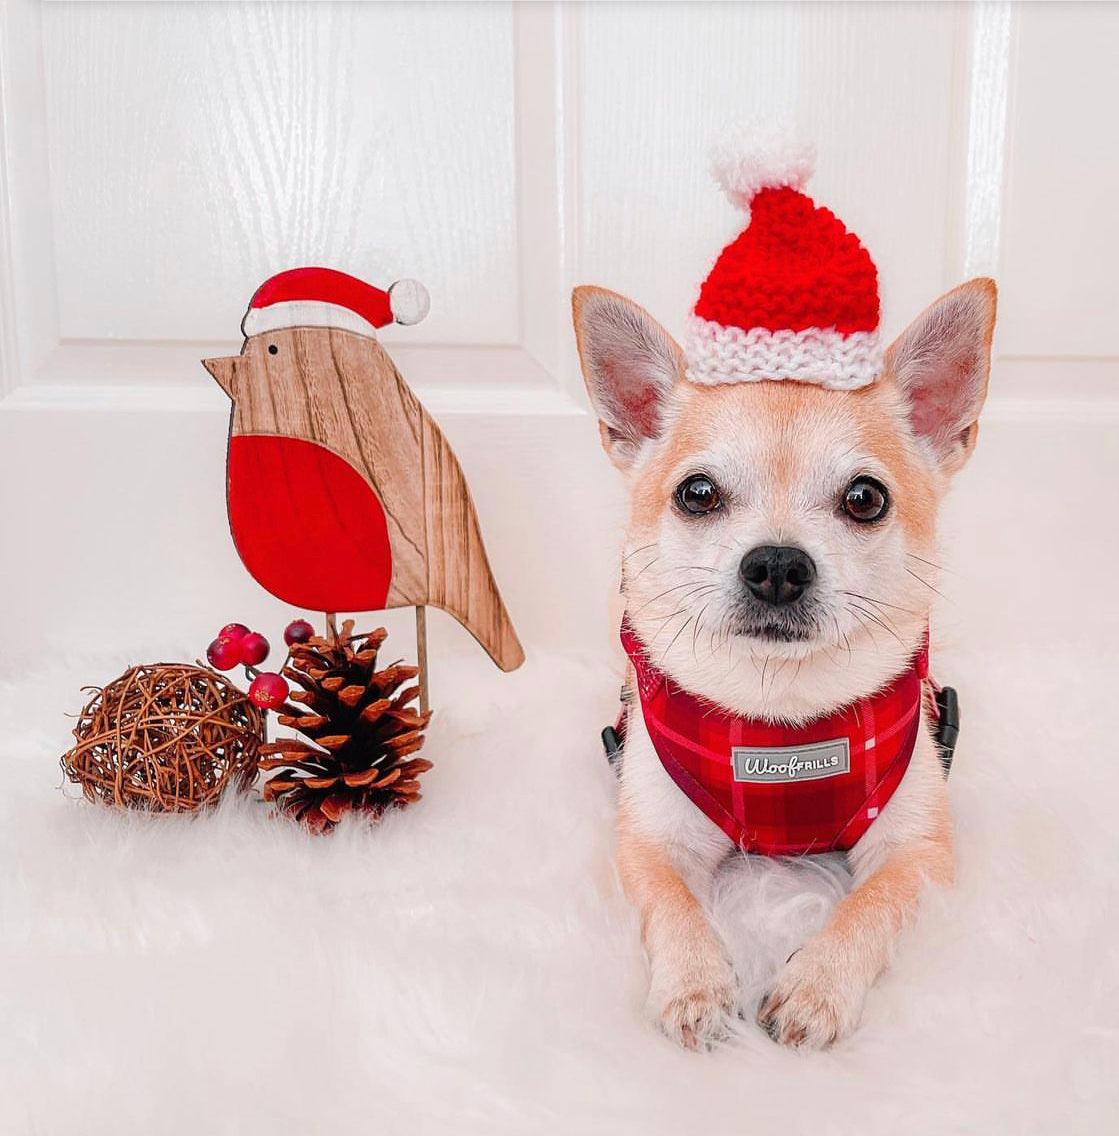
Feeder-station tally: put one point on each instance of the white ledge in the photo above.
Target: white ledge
(492, 379)
(162, 398)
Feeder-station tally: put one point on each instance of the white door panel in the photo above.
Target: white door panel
(1060, 224)
(196, 149)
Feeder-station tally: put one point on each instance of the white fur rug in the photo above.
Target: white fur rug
(470, 966)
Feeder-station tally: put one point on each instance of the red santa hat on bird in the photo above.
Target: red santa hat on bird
(325, 297)
(795, 294)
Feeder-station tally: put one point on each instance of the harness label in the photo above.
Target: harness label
(768, 764)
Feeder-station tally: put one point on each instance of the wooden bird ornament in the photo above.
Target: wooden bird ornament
(343, 493)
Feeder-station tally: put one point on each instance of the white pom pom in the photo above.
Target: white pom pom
(758, 156)
(409, 301)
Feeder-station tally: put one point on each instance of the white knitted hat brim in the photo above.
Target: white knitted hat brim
(824, 356)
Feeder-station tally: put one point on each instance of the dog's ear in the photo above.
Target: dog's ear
(941, 362)
(630, 363)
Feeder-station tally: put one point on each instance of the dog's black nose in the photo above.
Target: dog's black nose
(777, 574)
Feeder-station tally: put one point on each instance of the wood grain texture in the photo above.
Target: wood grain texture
(459, 579)
(196, 148)
(342, 391)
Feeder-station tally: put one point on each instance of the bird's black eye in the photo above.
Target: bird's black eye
(272, 349)
(698, 494)
(866, 500)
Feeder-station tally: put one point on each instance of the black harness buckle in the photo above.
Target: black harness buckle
(947, 725)
(612, 743)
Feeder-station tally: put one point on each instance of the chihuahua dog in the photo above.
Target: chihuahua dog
(779, 563)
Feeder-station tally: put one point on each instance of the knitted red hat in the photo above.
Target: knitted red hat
(324, 297)
(795, 295)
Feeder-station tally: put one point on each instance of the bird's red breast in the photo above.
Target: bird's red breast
(308, 526)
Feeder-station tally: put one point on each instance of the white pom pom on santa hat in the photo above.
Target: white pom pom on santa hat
(409, 301)
(760, 155)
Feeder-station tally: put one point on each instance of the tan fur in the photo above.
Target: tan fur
(678, 939)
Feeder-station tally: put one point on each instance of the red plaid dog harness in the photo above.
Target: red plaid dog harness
(784, 790)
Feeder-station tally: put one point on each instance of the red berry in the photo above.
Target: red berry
(268, 691)
(233, 631)
(224, 654)
(298, 631)
(254, 648)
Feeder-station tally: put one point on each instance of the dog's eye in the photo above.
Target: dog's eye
(698, 494)
(866, 500)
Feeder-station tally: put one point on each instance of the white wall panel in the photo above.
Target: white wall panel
(654, 81)
(29, 306)
(883, 90)
(1060, 228)
(877, 86)
(197, 148)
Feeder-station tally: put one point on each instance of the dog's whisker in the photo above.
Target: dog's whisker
(860, 618)
(883, 616)
(661, 595)
(796, 675)
(777, 673)
(700, 589)
(926, 583)
(877, 602)
(846, 638)
(881, 623)
(643, 548)
(930, 563)
(664, 622)
(641, 573)
(695, 632)
(683, 628)
(725, 622)
(628, 582)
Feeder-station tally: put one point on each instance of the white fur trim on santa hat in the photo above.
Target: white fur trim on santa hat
(409, 301)
(304, 313)
(823, 356)
(756, 156)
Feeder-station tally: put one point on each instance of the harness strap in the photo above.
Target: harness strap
(700, 760)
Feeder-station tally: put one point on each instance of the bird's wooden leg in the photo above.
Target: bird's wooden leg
(332, 625)
(421, 654)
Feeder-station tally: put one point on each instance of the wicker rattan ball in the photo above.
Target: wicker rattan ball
(168, 737)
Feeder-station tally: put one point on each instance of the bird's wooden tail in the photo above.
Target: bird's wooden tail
(460, 580)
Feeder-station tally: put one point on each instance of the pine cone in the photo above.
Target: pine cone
(360, 727)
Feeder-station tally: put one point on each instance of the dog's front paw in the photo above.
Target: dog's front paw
(694, 1006)
(815, 1001)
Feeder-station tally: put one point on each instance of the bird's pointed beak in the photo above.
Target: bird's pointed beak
(222, 370)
